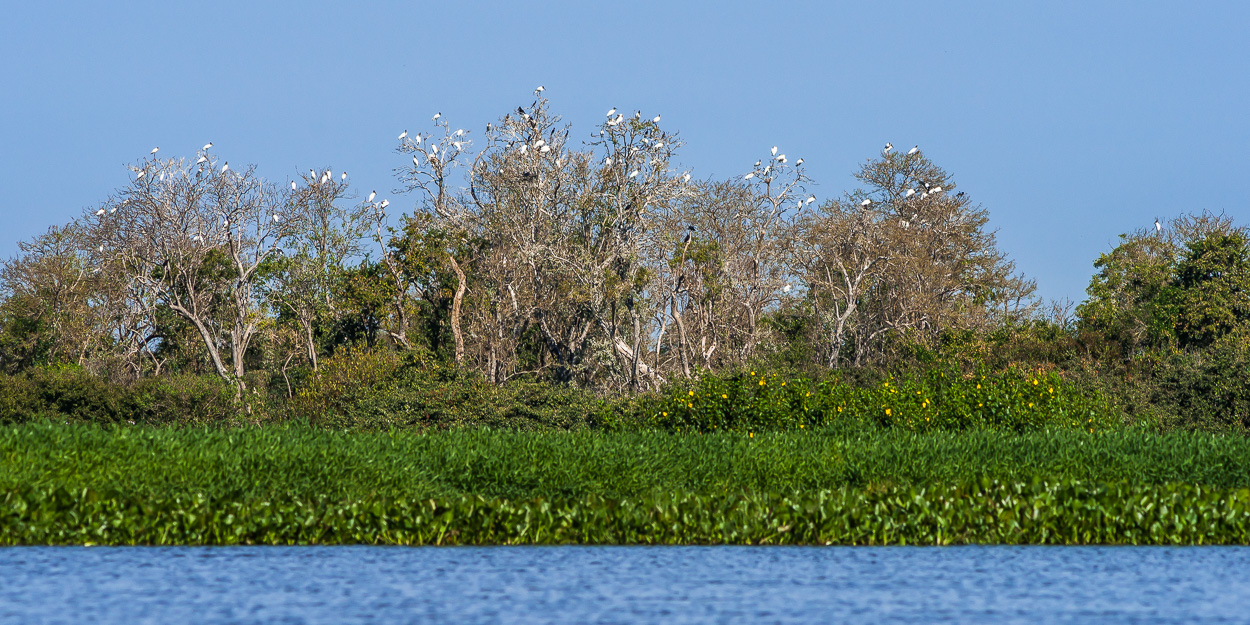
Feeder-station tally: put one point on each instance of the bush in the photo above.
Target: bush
(181, 400)
(373, 390)
(63, 393)
(939, 399)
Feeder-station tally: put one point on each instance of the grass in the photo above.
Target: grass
(283, 463)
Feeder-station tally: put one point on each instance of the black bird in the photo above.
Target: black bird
(520, 110)
(960, 194)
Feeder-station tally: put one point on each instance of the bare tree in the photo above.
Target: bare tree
(194, 236)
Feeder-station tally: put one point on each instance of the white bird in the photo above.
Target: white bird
(749, 176)
(415, 161)
(100, 213)
(781, 158)
(206, 146)
(607, 160)
(523, 148)
(866, 202)
(384, 204)
(292, 185)
(658, 145)
(539, 90)
(936, 190)
(774, 150)
(1158, 226)
(154, 150)
(403, 135)
(539, 143)
(344, 176)
(161, 177)
(459, 132)
(201, 160)
(611, 112)
(225, 167)
(810, 199)
(100, 249)
(655, 120)
(633, 173)
(433, 148)
(324, 178)
(888, 146)
(436, 116)
(798, 162)
(910, 192)
(685, 178)
(372, 194)
(277, 218)
(913, 150)
(141, 173)
(545, 149)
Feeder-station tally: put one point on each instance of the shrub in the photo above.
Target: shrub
(939, 399)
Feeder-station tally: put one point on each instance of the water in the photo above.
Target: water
(624, 585)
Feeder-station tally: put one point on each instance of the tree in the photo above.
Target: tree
(193, 238)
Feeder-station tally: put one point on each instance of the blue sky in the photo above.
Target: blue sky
(1069, 122)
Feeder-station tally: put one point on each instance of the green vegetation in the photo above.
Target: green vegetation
(275, 463)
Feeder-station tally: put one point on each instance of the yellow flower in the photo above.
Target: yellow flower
(839, 408)
(752, 373)
(978, 385)
(1034, 382)
(1030, 404)
(809, 394)
(664, 413)
(979, 405)
(690, 405)
(761, 382)
(887, 412)
(752, 434)
(692, 393)
(800, 426)
(783, 383)
(1052, 389)
(724, 396)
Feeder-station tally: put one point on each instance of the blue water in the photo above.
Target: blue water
(624, 585)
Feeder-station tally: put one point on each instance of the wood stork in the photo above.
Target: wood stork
(633, 173)
(100, 213)
(226, 167)
(798, 162)
(344, 176)
(774, 150)
(655, 120)
(749, 176)
(436, 116)
(913, 150)
(888, 146)
(384, 204)
(206, 146)
(611, 112)
(1158, 226)
(403, 135)
(155, 150)
(910, 192)
(293, 185)
(372, 194)
(539, 90)
(867, 202)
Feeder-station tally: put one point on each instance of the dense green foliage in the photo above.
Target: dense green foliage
(273, 463)
(1066, 513)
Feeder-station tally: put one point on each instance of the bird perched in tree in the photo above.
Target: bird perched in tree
(910, 192)
(201, 160)
(141, 173)
(749, 176)
(888, 146)
(155, 150)
(810, 199)
(344, 176)
(1158, 226)
(372, 194)
(539, 90)
(277, 218)
(866, 202)
(774, 150)
(798, 162)
(913, 150)
(655, 120)
(935, 190)
(633, 173)
(436, 116)
(685, 178)
(100, 213)
(384, 204)
(403, 135)
(611, 112)
(206, 146)
(292, 185)
(225, 168)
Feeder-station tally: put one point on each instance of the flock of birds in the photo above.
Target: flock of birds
(614, 119)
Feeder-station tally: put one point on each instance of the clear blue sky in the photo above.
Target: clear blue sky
(1070, 123)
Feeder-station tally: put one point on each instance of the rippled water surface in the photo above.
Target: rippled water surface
(624, 585)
